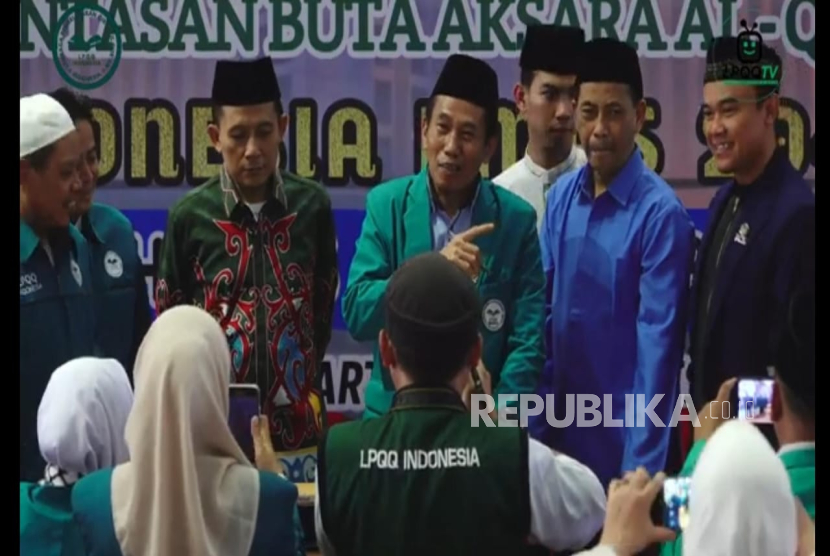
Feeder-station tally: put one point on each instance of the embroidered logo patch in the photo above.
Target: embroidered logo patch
(113, 264)
(743, 234)
(493, 315)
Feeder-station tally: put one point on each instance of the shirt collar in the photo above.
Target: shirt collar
(434, 207)
(795, 447)
(231, 191)
(86, 225)
(623, 184)
(548, 174)
(29, 241)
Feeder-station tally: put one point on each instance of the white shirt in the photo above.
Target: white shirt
(256, 208)
(528, 180)
(567, 502)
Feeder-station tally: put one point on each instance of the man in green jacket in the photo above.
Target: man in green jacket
(423, 478)
(121, 300)
(255, 247)
(57, 313)
(487, 231)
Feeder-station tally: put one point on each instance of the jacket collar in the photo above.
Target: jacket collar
(416, 214)
(427, 397)
(230, 190)
(29, 241)
(88, 226)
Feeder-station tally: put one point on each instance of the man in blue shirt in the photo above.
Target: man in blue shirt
(121, 298)
(617, 249)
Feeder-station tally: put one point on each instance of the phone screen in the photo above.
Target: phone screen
(244, 406)
(676, 501)
(755, 400)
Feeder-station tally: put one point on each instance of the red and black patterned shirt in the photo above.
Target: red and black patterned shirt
(270, 281)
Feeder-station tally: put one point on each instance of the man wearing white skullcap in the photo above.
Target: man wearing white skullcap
(57, 316)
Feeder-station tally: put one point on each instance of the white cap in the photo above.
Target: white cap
(43, 121)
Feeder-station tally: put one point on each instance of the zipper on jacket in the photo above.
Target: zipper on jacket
(721, 249)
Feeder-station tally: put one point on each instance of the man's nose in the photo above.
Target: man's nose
(716, 126)
(564, 110)
(77, 182)
(252, 149)
(452, 146)
(85, 173)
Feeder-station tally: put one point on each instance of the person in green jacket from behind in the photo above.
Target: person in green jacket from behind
(57, 312)
(448, 207)
(121, 299)
(794, 400)
(81, 420)
(427, 478)
(793, 409)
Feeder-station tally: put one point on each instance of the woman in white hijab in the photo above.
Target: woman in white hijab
(80, 429)
(188, 488)
(741, 502)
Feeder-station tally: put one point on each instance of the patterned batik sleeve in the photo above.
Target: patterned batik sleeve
(170, 276)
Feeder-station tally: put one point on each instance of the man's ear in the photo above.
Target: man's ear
(772, 107)
(283, 124)
(640, 110)
(519, 94)
(213, 133)
(474, 357)
(387, 351)
(491, 146)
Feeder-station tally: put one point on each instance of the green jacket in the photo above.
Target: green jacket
(800, 465)
(512, 286)
(121, 299)
(57, 324)
(270, 283)
(46, 524)
(420, 480)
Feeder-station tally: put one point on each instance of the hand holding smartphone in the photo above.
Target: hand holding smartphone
(754, 400)
(676, 492)
(244, 406)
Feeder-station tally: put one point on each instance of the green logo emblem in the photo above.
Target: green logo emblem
(86, 63)
(750, 44)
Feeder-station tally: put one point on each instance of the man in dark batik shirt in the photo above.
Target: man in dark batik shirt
(255, 247)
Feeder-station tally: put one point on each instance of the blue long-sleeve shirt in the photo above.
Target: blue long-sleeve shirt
(617, 272)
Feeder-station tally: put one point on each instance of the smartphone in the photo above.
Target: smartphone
(244, 406)
(755, 399)
(676, 492)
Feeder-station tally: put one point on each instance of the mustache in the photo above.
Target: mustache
(601, 147)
